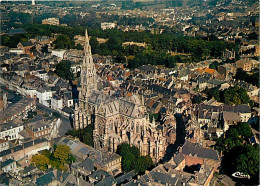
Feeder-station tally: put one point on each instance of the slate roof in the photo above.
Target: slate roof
(68, 110)
(125, 177)
(99, 174)
(7, 162)
(108, 181)
(194, 149)
(178, 158)
(45, 179)
(162, 178)
(87, 165)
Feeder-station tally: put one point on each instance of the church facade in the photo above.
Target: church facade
(115, 120)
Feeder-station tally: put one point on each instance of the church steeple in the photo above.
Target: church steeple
(87, 47)
(88, 72)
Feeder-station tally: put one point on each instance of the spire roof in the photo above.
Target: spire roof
(87, 47)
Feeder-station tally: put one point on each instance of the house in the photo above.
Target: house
(42, 74)
(102, 160)
(56, 177)
(230, 118)
(194, 154)
(38, 129)
(56, 102)
(8, 165)
(58, 52)
(44, 95)
(83, 169)
(25, 150)
(4, 145)
(10, 130)
(25, 46)
(106, 25)
(245, 64)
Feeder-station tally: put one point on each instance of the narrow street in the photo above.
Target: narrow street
(180, 138)
(65, 125)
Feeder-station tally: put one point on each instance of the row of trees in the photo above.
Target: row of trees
(60, 155)
(233, 95)
(158, 44)
(132, 160)
(239, 155)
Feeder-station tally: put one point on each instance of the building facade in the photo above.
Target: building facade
(115, 120)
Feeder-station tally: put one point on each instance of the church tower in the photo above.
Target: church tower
(88, 82)
(88, 73)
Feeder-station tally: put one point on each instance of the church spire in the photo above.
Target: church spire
(88, 72)
(87, 47)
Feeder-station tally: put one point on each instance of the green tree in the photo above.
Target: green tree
(131, 159)
(235, 95)
(143, 163)
(63, 70)
(248, 161)
(63, 42)
(40, 161)
(241, 74)
(62, 153)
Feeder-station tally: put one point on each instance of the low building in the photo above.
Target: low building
(4, 145)
(106, 25)
(51, 21)
(8, 165)
(18, 110)
(44, 95)
(102, 160)
(10, 130)
(56, 102)
(245, 64)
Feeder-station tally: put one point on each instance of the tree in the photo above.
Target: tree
(40, 161)
(235, 95)
(244, 130)
(63, 70)
(63, 42)
(238, 154)
(143, 163)
(62, 153)
(241, 74)
(131, 159)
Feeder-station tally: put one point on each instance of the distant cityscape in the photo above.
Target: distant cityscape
(130, 92)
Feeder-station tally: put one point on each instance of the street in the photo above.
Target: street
(180, 138)
(65, 122)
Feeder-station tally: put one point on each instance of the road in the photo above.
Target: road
(180, 138)
(65, 122)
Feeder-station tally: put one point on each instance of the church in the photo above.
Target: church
(115, 120)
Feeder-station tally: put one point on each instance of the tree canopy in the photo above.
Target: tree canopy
(63, 70)
(196, 48)
(239, 155)
(252, 78)
(131, 159)
(233, 95)
(62, 153)
(40, 161)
